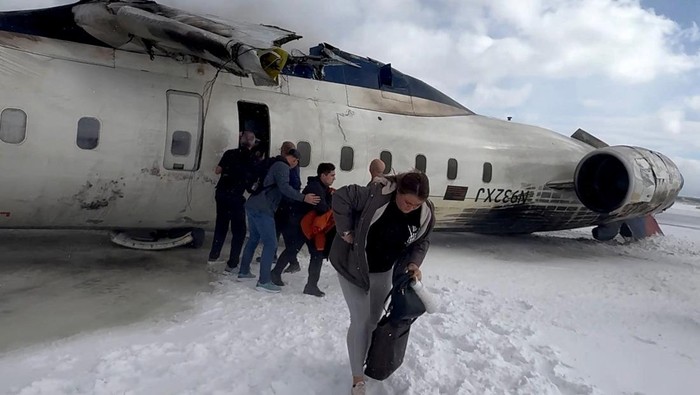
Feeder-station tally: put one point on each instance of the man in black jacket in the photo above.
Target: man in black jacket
(235, 168)
(319, 185)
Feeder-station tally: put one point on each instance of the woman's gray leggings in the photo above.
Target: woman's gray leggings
(365, 311)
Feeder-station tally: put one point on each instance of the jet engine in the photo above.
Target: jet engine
(627, 181)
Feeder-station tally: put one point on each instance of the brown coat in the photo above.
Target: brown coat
(355, 208)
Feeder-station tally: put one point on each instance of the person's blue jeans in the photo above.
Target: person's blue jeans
(261, 227)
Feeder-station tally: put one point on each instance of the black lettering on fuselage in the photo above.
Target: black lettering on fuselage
(490, 193)
(479, 194)
(506, 196)
(500, 195)
(497, 199)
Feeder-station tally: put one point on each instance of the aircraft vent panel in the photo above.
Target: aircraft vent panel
(454, 192)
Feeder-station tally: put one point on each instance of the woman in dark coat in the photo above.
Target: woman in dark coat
(381, 228)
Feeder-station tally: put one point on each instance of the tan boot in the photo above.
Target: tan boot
(358, 389)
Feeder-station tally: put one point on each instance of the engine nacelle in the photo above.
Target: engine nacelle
(627, 181)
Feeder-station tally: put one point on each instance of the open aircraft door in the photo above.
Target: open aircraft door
(183, 146)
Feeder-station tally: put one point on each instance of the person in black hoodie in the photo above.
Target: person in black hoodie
(319, 185)
(234, 168)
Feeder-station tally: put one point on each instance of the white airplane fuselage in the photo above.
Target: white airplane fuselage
(128, 182)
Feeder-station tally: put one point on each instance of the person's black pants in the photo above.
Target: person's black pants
(230, 210)
(315, 265)
(293, 241)
(287, 224)
(317, 258)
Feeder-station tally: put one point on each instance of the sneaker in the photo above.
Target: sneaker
(358, 389)
(314, 291)
(245, 276)
(293, 268)
(268, 287)
(228, 270)
(276, 279)
(215, 261)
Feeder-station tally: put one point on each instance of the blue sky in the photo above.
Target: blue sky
(627, 71)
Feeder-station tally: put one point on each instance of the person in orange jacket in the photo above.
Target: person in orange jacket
(320, 227)
(315, 227)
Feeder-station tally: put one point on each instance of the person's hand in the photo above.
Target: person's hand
(312, 198)
(414, 271)
(348, 237)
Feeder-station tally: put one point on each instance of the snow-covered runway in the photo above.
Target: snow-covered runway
(543, 314)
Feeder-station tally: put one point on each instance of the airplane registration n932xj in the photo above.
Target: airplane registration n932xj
(114, 113)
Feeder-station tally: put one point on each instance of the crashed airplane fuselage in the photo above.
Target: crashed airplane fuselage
(114, 114)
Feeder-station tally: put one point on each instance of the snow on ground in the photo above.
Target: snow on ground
(543, 314)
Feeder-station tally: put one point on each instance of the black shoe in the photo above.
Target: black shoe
(230, 266)
(314, 291)
(293, 268)
(276, 279)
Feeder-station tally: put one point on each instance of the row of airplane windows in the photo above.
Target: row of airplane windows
(13, 129)
(347, 156)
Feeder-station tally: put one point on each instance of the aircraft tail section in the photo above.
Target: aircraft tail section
(585, 137)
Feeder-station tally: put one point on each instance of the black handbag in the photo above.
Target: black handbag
(390, 337)
(405, 302)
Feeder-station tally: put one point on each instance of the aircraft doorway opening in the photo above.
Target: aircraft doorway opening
(256, 117)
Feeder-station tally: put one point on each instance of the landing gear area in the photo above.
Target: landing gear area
(159, 239)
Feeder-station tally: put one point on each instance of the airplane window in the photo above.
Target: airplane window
(304, 149)
(488, 172)
(181, 143)
(347, 158)
(13, 125)
(385, 156)
(421, 163)
(88, 133)
(451, 169)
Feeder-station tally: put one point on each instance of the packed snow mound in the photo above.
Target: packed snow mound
(555, 313)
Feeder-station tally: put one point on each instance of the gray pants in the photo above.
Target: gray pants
(365, 311)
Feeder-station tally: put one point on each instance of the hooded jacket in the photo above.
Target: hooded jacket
(275, 186)
(355, 209)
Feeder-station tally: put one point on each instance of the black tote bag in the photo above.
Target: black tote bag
(390, 337)
(389, 341)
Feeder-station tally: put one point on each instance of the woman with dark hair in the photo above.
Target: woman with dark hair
(381, 229)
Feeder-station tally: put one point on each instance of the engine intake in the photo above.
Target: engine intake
(627, 181)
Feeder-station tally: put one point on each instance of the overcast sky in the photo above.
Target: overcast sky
(626, 71)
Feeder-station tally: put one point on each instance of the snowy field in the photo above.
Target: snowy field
(553, 313)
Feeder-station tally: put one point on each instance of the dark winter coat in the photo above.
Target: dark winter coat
(355, 209)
